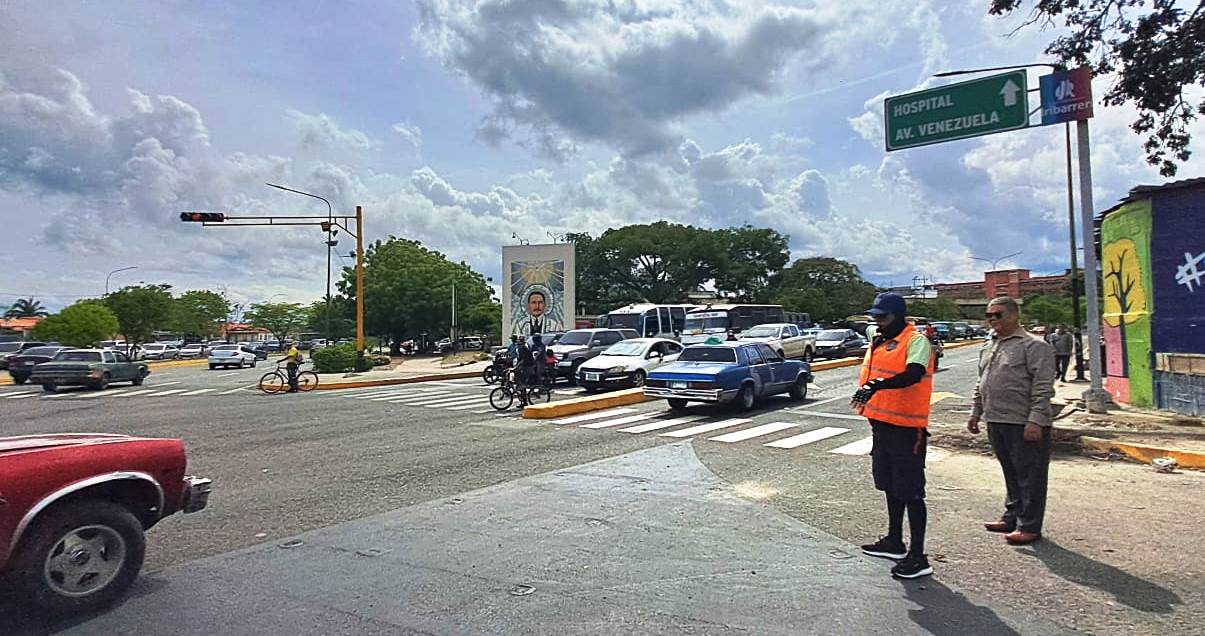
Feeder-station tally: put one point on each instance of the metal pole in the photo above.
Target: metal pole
(359, 280)
(1095, 398)
(110, 274)
(328, 287)
(1076, 325)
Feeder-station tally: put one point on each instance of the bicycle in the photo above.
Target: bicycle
(505, 395)
(278, 381)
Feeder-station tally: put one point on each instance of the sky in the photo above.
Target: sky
(468, 125)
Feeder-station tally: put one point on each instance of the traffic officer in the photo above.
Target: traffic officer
(293, 360)
(896, 384)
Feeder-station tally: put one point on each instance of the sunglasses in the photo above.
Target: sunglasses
(994, 315)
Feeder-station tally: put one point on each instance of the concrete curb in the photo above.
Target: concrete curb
(357, 384)
(1145, 453)
(584, 404)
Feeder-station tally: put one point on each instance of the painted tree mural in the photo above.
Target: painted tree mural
(1125, 296)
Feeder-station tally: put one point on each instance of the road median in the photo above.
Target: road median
(1145, 453)
(573, 406)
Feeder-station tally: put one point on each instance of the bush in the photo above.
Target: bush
(379, 360)
(337, 359)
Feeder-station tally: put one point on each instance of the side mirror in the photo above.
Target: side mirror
(656, 354)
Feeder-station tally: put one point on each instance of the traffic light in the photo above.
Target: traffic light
(325, 225)
(202, 217)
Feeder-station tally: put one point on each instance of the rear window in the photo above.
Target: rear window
(9, 347)
(575, 338)
(708, 354)
(226, 348)
(78, 356)
(833, 334)
(42, 351)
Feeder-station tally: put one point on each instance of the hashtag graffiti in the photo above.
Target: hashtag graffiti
(1191, 272)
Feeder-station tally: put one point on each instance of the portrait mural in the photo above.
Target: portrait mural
(538, 283)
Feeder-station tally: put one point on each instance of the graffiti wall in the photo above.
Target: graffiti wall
(538, 288)
(1127, 289)
(1178, 269)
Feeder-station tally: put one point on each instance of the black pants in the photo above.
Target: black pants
(897, 460)
(1061, 363)
(1026, 467)
(292, 369)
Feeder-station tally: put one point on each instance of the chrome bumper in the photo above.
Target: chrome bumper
(196, 494)
(697, 395)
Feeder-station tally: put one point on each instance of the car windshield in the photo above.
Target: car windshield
(78, 356)
(695, 323)
(832, 334)
(708, 354)
(761, 332)
(626, 348)
(42, 351)
(575, 338)
(630, 321)
(225, 348)
(9, 347)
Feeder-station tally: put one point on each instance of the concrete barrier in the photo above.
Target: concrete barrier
(1146, 453)
(573, 406)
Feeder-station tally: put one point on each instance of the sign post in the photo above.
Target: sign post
(957, 111)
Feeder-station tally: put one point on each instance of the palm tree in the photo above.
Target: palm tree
(26, 308)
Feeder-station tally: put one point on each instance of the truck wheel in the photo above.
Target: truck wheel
(102, 383)
(49, 387)
(745, 399)
(138, 379)
(80, 557)
(19, 379)
(809, 355)
(677, 404)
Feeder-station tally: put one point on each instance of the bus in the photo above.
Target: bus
(800, 319)
(719, 320)
(650, 321)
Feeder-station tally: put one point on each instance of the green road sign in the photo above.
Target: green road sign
(957, 111)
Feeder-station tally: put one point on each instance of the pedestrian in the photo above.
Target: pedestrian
(896, 384)
(1064, 346)
(1016, 383)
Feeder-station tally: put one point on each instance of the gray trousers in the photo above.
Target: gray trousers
(1026, 467)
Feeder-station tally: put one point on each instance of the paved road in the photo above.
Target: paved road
(341, 462)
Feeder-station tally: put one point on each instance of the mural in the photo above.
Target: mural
(1125, 263)
(538, 288)
(1178, 271)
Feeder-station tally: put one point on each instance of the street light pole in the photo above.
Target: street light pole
(329, 228)
(1076, 325)
(110, 274)
(994, 261)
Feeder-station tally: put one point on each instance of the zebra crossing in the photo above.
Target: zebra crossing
(146, 391)
(446, 396)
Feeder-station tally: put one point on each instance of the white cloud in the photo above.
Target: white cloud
(409, 133)
(322, 132)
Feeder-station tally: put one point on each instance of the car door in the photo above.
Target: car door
(792, 343)
(776, 366)
(123, 367)
(763, 378)
(672, 351)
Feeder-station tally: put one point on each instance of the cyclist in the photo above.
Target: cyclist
(294, 360)
(513, 349)
(524, 366)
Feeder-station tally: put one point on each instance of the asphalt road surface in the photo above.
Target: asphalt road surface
(386, 462)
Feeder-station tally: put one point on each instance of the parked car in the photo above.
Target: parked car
(75, 510)
(784, 338)
(960, 330)
(839, 343)
(20, 365)
(272, 345)
(944, 330)
(13, 348)
(318, 343)
(192, 351)
(231, 355)
(159, 351)
(627, 363)
(96, 368)
(260, 351)
(472, 343)
(579, 345)
(730, 372)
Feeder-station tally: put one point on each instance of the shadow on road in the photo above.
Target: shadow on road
(946, 612)
(1128, 589)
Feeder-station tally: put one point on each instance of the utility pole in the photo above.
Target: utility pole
(359, 280)
(1095, 398)
(1076, 324)
(122, 269)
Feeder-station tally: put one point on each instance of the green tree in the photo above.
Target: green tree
(82, 324)
(595, 292)
(1047, 309)
(281, 319)
(751, 258)
(829, 289)
(935, 309)
(199, 313)
(140, 310)
(408, 290)
(342, 322)
(1155, 51)
(25, 308)
(483, 318)
(660, 262)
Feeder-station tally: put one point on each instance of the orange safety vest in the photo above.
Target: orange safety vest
(908, 406)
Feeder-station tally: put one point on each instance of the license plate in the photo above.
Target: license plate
(593, 377)
(677, 385)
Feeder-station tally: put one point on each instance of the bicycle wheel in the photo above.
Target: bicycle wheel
(273, 382)
(501, 398)
(538, 394)
(307, 381)
(489, 374)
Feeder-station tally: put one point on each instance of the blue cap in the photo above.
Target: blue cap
(888, 303)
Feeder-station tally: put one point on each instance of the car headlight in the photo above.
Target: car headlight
(617, 369)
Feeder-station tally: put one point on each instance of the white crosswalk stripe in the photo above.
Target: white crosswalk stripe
(630, 419)
(20, 396)
(756, 431)
(860, 447)
(167, 392)
(796, 441)
(159, 384)
(706, 428)
(241, 388)
(473, 405)
(592, 416)
(197, 392)
(133, 393)
(429, 399)
(657, 425)
(460, 401)
(405, 395)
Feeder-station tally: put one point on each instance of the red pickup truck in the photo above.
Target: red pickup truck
(74, 507)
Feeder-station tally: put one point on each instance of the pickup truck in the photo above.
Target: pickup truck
(785, 339)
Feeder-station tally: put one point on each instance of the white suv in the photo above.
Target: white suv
(231, 355)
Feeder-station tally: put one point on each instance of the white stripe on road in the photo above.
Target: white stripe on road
(756, 431)
(860, 447)
(197, 392)
(592, 416)
(168, 392)
(808, 437)
(19, 396)
(407, 395)
(16, 393)
(423, 400)
(96, 394)
(133, 393)
(448, 401)
(241, 388)
(837, 416)
(462, 403)
(818, 403)
(631, 419)
(706, 428)
(159, 384)
(657, 425)
(226, 375)
(473, 405)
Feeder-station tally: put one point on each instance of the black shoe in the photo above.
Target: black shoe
(912, 567)
(886, 548)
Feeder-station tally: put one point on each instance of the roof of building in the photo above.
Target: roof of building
(1144, 191)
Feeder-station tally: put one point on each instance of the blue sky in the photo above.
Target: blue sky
(461, 123)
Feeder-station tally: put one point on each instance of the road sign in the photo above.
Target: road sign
(1066, 95)
(957, 111)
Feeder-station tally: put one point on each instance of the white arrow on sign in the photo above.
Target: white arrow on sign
(1009, 92)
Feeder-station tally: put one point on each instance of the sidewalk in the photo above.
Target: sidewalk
(403, 370)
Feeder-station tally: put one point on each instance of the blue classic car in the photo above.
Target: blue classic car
(731, 372)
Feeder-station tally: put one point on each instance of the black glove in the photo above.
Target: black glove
(862, 395)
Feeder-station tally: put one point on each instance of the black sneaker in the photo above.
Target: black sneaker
(912, 567)
(886, 548)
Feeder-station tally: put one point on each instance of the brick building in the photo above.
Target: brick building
(1017, 283)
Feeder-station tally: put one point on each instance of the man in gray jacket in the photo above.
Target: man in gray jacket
(1016, 383)
(1064, 346)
